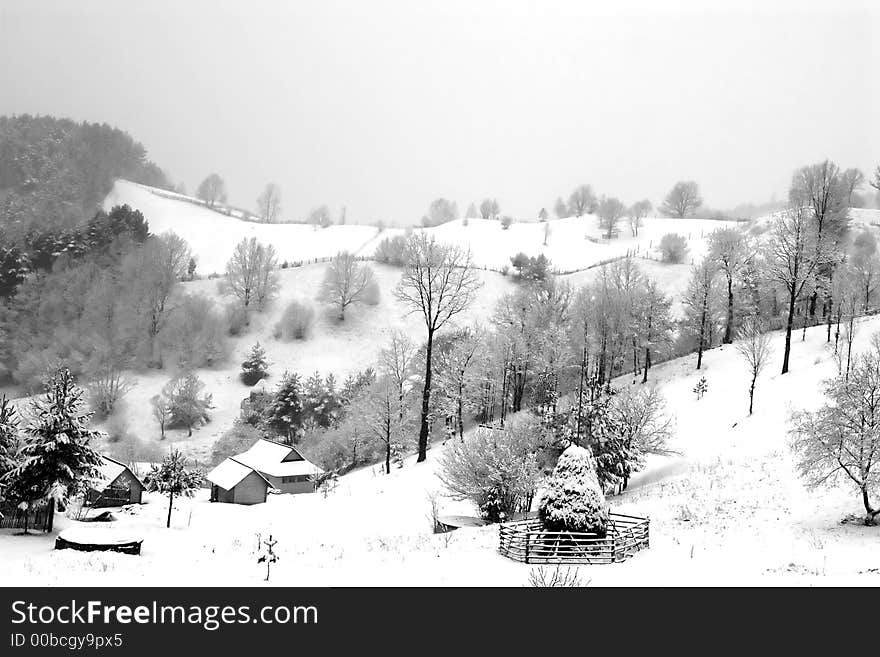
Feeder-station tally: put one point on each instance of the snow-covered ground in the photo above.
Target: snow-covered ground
(729, 510)
(212, 236)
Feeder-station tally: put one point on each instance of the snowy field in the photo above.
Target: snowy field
(212, 236)
(728, 510)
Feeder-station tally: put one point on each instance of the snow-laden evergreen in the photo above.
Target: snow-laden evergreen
(573, 500)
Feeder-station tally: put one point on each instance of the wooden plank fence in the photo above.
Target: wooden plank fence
(528, 542)
(40, 519)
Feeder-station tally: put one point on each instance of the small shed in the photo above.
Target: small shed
(236, 483)
(115, 485)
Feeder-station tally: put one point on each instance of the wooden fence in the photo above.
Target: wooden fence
(41, 519)
(527, 541)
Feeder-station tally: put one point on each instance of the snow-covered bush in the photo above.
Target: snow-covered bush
(236, 317)
(573, 500)
(296, 322)
(673, 248)
(392, 251)
(496, 469)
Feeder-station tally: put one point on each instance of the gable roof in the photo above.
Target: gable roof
(109, 471)
(230, 473)
(276, 460)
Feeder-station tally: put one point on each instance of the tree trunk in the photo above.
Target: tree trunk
(426, 399)
(170, 506)
(870, 512)
(752, 392)
(388, 456)
(702, 337)
(728, 329)
(647, 364)
(788, 326)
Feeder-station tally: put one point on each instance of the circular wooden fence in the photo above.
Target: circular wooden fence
(527, 541)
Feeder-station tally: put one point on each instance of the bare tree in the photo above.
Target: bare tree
(753, 344)
(320, 217)
(250, 273)
(439, 282)
(347, 282)
(875, 182)
(396, 363)
(150, 275)
(729, 248)
(440, 211)
(637, 214)
(212, 190)
(489, 208)
(582, 201)
(851, 179)
(161, 411)
(841, 440)
(561, 209)
(699, 304)
(611, 210)
(682, 199)
(794, 254)
(269, 203)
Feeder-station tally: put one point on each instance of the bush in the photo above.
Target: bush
(187, 406)
(236, 318)
(574, 501)
(296, 322)
(505, 222)
(392, 251)
(495, 469)
(196, 334)
(673, 248)
(106, 390)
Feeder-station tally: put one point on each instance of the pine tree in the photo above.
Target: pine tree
(9, 438)
(285, 413)
(171, 478)
(255, 367)
(55, 460)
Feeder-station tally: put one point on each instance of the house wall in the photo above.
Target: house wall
(123, 481)
(128, 479)
(305, 486)
(250, 490)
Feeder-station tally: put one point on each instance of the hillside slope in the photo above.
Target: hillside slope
(729, 510)
(212, 235)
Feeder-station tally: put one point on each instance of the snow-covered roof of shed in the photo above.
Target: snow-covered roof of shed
(108, 471)
(229, 474)
(276, 460)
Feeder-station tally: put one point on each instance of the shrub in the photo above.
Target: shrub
(673, 248)
(573, 500)
(495, 469)
(392, 251)
(106, 388)
(506, 221)
(296, 322)
(236, 318)
(196, 334)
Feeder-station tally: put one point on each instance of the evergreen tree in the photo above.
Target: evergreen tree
(171, 478)
(285, 413)
(9, 438)
(55, 460)
(573, 500)
(255, 366)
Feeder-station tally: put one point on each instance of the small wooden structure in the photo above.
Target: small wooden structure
(235, 483)
(98, 539)
(115, 485)
(527, 541)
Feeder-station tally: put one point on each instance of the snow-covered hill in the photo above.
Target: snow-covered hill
(572, 243)
(729, 510)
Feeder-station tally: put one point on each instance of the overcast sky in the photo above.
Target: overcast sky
(381, 106)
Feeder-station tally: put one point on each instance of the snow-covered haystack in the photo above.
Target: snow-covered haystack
(574, 501)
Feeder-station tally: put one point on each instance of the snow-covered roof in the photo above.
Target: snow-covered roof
(276, 460)
(108, 471)
(230, 473)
